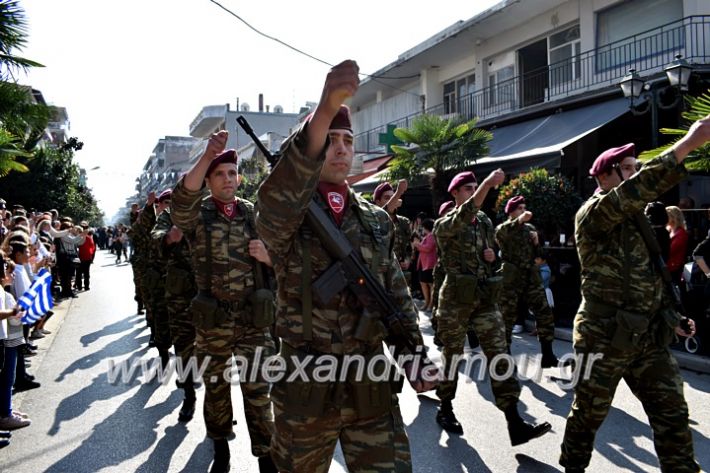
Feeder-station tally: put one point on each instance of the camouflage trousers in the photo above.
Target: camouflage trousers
(160, 317)
(525, 285)
(303, 444)
(652, 374)
(138, 296)
(142, 293)
(454, 320)
(220, 343)
(182, 329)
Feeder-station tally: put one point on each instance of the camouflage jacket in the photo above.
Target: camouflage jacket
(283, 200)
(515, 243)
(175, 254)
(140, 236)
(461, 236)
(231, 265)
(616, 266)
(402, 237)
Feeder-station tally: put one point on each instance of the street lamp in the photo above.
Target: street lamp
(633, 87)
(678, 73)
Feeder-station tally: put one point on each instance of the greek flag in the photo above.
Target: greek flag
(37, 300)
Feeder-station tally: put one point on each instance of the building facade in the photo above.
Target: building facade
(544, 76)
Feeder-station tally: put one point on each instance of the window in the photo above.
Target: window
(623, 34)
(450, 97)
(501, 86)
(564, 49)
(456, 92)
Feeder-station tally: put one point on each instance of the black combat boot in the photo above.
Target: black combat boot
(164, 358)
(447, 420)
(221, 457)
(187, 411)
(266, 465)
(521, 431)
(140, 308)
(574, 470)
(549, 360)
(472, 339)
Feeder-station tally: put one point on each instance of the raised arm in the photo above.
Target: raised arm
(284, 196)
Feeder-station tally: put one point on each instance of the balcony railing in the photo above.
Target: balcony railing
(647, 52)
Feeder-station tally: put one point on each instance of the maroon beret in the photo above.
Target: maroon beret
(165, 195)
(381, 189)
(462, 178)
(606, 161)
(227, 157)
(514, 203)
(342, 121)
(445, 207)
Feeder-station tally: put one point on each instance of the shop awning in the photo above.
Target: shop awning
(540, 142)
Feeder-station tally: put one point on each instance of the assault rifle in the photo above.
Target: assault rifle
(349, 271)
(654, 250)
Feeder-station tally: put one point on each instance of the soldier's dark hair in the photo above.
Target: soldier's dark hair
(656, 213)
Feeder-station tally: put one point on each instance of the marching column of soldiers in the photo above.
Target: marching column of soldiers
(205, 263)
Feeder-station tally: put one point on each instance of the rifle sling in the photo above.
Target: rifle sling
(306, 275)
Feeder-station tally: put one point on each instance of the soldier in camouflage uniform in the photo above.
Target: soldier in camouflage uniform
(468, 297)
(220, 230)
(138, 297)
(626, 313)
(311, 417)
(154, 282)
(385, 197)
(518, 243)
(140, 236)
(180, 288)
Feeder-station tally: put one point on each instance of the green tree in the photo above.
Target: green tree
(52, 181)
(699, 160)
(22, 121)
(551, 198)
(253, 172)
(13, 36)
(447, 146)
(9, 152)
(21, 116)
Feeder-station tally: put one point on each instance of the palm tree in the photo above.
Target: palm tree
(447, 146)
(13, 36)
(9, 151)
(22, 120)
(699, 160)
(21, 115)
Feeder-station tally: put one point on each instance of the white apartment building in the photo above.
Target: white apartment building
(170, 158)
(543, 76)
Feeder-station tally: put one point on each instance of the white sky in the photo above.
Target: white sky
(134, 71)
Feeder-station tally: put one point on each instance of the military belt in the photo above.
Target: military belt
(227, 305)
(599, 308)
(232, 306)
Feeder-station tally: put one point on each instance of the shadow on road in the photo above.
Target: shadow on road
(159, 458)
(111, 329)
(427, 455)
(528, 464)
(200, 459)
(123, 435)
(129, 343)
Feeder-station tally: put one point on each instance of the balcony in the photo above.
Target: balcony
(647, 52)
(208, 120)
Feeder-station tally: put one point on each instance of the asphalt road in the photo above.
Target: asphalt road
(84, 423)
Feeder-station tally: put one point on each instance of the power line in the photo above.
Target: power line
(283, 43)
